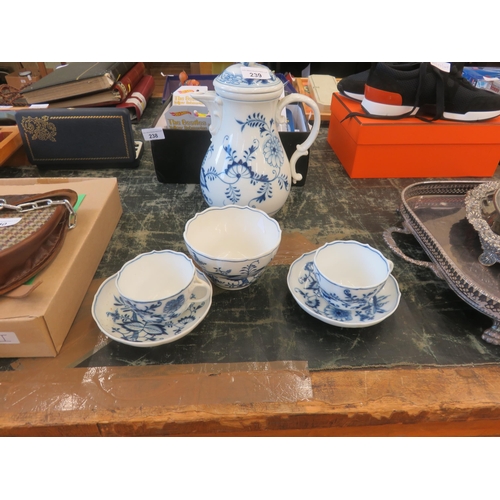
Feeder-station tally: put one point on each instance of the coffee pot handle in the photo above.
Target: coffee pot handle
(302, 149)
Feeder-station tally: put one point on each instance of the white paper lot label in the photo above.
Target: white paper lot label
(443, 66)
(255, 73)
(8, 338)
(9, 221)
(153, 134)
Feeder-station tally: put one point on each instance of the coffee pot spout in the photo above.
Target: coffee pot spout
(214, 105)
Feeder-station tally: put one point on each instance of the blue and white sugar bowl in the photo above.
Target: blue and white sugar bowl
(232, 245)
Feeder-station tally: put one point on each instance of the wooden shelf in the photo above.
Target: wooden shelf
(10, 142)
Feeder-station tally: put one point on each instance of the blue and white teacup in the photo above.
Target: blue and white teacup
(350, 274)
(163, 283)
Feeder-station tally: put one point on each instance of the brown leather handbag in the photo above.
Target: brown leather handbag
(32, 231)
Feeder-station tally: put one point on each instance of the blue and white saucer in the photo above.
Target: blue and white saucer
(305, 290)
(143, 327)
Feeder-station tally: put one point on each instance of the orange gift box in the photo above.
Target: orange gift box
(410, 147)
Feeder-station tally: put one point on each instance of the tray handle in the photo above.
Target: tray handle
(394, 247)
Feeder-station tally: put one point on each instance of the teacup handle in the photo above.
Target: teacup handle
(302, 149)
(198, 283)
(390, 264)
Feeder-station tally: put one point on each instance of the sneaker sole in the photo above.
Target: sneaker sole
(378, 109)
(472, 116)
(351, 95)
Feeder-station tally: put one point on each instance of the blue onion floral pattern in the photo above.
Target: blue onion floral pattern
(239, 174)
(311, 293)
(148, 323)
(273, 152)
(351, 299)
(240, 276)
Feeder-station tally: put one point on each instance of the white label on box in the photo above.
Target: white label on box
(255, 73)
(42, 106)
(443, 66)
(153, 134)
(8, 338)
(9, 221)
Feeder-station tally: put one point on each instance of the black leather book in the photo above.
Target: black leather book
(75, 79)
(85, 137)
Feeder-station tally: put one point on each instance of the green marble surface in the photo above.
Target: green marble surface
(431, 327)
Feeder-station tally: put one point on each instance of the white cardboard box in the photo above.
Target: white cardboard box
(323, 86)
(37, 325)
(185, 112)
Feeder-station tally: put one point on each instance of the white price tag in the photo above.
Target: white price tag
(9, 221)
(443, 66)
(8, 338)
(39, 106)
(250, 73)
(153, 134)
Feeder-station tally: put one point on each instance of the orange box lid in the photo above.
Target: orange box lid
(411, 130)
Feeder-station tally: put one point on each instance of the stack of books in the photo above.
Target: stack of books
(76, 85)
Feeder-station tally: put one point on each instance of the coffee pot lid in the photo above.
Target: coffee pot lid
(248, 79)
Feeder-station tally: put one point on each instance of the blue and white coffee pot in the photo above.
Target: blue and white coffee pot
(246, 163)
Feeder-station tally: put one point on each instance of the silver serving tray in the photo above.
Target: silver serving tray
(434, 213)
(481, 209)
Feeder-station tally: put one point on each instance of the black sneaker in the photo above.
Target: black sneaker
(353, 86)
(395, 92)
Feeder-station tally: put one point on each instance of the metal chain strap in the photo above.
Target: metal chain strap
(39, 204)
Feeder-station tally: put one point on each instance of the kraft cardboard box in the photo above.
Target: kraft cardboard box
(21, 78)
(10, 142)
(409, 147)
(37, 325)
